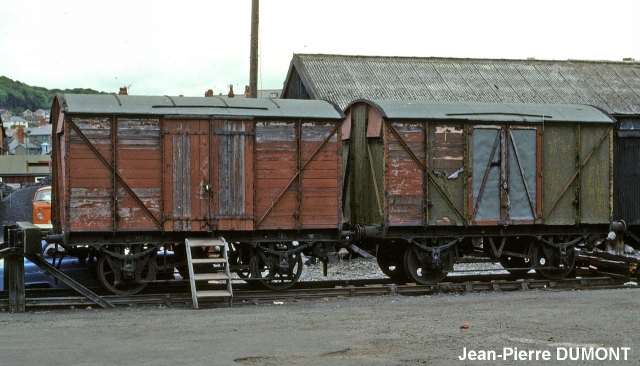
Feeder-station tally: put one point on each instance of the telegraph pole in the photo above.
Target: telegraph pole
(253, 58)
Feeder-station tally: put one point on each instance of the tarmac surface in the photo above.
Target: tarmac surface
(386, 330)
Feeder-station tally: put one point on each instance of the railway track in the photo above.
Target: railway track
(178, 295)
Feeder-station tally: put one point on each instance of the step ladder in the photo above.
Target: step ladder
(208, 269)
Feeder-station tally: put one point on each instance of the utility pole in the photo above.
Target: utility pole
(253, 58)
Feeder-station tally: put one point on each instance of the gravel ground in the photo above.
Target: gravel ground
(363, 268)
(381, 330)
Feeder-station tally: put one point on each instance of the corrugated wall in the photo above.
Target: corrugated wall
(627, 172)
(612, 86)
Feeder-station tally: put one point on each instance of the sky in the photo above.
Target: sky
(186, 47)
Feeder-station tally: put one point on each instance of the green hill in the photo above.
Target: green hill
(18, 97)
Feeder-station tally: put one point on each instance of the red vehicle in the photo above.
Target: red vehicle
(42, 208)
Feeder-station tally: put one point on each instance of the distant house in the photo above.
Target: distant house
(30, 141)
(27, 113)
(14, 120)
(41, 113)
(262, 93)
(269, 93)
(22, 148)
(40, 136)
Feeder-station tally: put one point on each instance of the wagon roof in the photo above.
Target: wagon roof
(208, 106)
(492, 112)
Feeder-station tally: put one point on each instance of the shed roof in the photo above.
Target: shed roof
(211, 106)
(23, 164)
(44, 130)
(489, 112)
(612, 86)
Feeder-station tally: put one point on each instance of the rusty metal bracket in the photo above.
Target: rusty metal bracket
(430, 176)
(115, 173)
(586, 160)
(293, 179)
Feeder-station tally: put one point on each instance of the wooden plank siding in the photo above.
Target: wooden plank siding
(404, 178)
(90, 205)
(135, 152)
(275, 166)
(320, 207)
(139, 162)
(186, 157)
(134, 169)
(446, 145)
(312, 199)
(232, 167)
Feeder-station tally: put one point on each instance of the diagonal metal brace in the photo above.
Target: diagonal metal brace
(69, 281)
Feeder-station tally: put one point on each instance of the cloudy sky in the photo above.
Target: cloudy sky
(188, 46)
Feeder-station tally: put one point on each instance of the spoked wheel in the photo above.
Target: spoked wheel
(391, 261)
(126, 277)
(517, 267)
(413, 262)
(277, 271)
(546, 262)
(240, 260)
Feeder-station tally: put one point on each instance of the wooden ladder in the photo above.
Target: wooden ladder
(208, 269)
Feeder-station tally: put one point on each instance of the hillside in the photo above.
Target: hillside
(18, 97)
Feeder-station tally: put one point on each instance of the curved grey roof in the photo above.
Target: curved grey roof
(489, 112)
(207, 106)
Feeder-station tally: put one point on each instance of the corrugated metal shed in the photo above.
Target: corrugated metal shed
(611, 86)
(214, 106)
(492, 112)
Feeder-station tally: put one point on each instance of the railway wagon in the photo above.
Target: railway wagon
(432, 183)
(626, 177)
(132, 174)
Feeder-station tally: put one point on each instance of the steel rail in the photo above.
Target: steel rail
(244, 295)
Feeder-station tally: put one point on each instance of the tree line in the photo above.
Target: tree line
(18, 97)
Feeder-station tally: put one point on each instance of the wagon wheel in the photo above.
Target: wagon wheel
(390, 258)
(277, 272)
(546, 262)
(124, 277)
(517, 267)
(240, 260)
(424, 276)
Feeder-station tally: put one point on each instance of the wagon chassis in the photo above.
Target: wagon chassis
(427, 255)
(126, 261)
